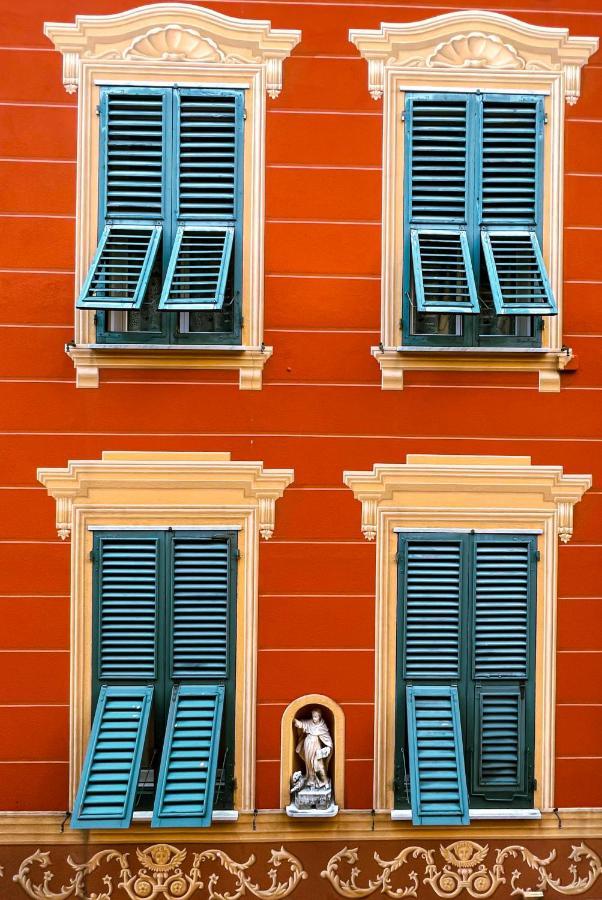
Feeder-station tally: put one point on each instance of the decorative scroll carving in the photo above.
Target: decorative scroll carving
(463, 867)
(475, 51)
(161, 873)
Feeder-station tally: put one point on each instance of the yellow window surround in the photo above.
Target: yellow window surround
(165, 44)
(466, 51)
(160, 490)
(450, 493)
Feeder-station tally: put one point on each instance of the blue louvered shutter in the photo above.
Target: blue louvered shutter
(433, 585)
(201, 600)
(107, 789)
(502, 663)
(186, 781)
(209, 160)
(511, 176)
(437, 776)
(132, 196)
(439, 187)
(127, 586)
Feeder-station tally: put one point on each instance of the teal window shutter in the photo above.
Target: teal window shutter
(127, 588)
(107, 789)
(437, 776)
(439, 185)
(200, 607)
(133, 123)
(188, 765)
(512, 129)
(209, 155)
(502, 665)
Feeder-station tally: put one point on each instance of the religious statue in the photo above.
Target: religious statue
(312, 790)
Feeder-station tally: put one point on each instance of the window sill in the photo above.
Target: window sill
(218, 815)
(394, 361)
(405, 815)
(89, 359)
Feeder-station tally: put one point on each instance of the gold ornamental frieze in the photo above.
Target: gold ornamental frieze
(461, 868)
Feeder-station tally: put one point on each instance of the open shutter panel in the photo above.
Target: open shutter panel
(189, 762)
(132, 159)
(432, 585)
(208, 208)
(201, 579)
(517, 273)
(107, 790)
(198, 268)
(128, 576)
(437, 777)
(443, 275)
(504, 582)
(510, 177)
(438, 194)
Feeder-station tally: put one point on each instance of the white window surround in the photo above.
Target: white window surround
(159, 490)
(484, 493)
(466, 51)
(168, 44)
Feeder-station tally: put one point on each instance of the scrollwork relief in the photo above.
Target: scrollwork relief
(161, 873)
(475, 50)
(463, 867)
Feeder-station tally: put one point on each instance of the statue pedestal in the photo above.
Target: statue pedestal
(295, 813)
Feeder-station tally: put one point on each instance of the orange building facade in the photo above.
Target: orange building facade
(323, 436)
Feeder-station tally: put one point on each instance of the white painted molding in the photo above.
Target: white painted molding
(473, 39)
(164, 33)
(482, 493)
(478, 815)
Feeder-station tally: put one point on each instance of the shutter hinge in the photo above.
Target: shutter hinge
(96, 318)
(244, 115)
(98, 109)
(533, 784)
(537, 555)
(237, 554)
(91, 555)
(545, 118)
(403, 117)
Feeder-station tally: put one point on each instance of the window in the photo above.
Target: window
(465, 673)
(169, 259)
(474, 272)
(163, 678)
(158, 84)
(472, 238)
(450, 531)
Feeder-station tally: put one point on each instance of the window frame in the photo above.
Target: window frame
(436, 55)
(220, 52)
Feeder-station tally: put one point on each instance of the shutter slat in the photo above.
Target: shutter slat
(432, 588)
(106, 793)
(500, 739)
(121, 268)
(517, 273)
(198, 269)
(510, 160)
(443, 275)
(127, 603)
(201, 587)
(437, 777)
(186, 780)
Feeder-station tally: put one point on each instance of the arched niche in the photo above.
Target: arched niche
(289, 761)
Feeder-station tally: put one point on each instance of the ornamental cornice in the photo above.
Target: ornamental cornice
(146, 481)
(168, 33)
(468, 40)
(431, 483)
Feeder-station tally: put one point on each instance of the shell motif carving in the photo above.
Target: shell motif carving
(173, 44)
(475, 51)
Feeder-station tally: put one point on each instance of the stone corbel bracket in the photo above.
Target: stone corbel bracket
(150, 482)
(433, 486)
(473, 39)
(167, 33)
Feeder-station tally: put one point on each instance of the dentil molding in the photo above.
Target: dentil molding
(164, 33)
(146, 481)
(473, 39)
(432, 483)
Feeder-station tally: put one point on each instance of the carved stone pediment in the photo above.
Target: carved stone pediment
(168, 33)
(473, 39)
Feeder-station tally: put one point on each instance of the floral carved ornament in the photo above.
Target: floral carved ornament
(463, 867)
(161, 873)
